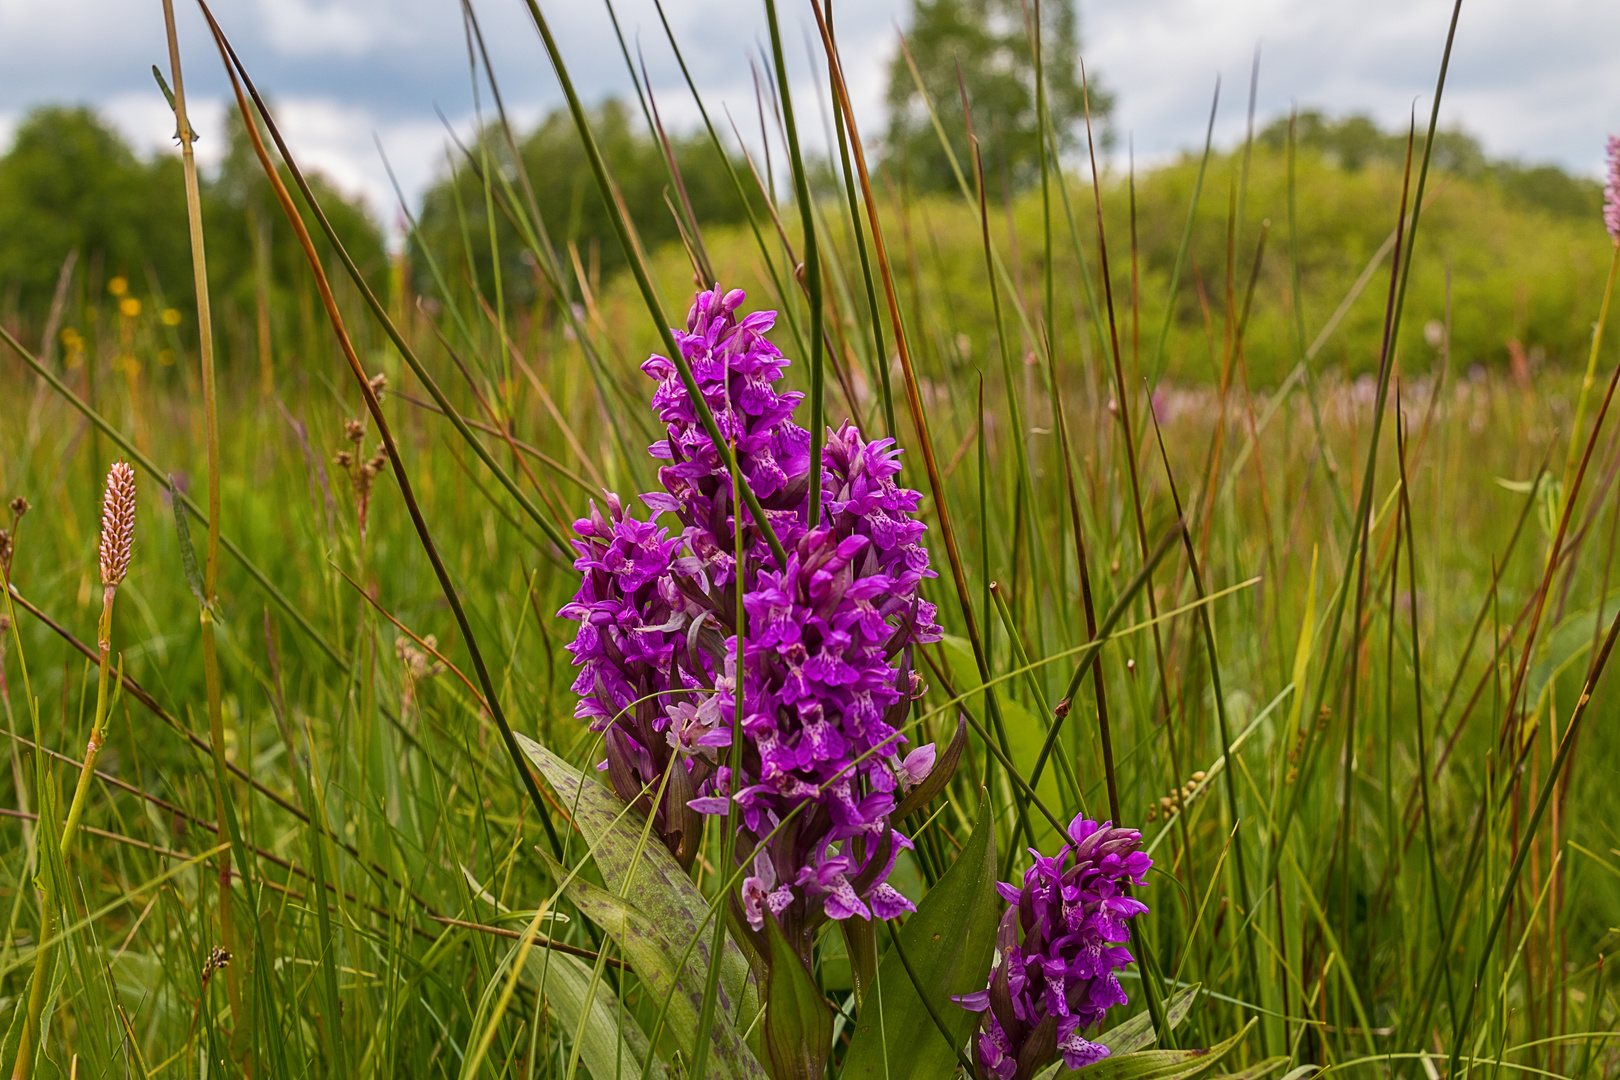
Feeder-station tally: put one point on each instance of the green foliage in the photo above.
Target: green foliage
(948, 943)
(459, 212)
(69, 183)
(391, 887)
(1354, 142)
(1522, 276)
(798, 1021)
(1170, 1064)
(988, 42)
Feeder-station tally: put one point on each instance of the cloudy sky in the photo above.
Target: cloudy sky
(1536, 80)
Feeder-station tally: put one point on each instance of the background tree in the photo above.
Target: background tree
(454, 221)
(1354, 142)
(990, 41)
(70, 182)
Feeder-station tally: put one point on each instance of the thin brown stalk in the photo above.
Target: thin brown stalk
(340, 331)
(919, 418)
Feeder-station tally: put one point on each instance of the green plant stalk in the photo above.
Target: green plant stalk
(233, 67)
(914, 404)
(812, 267)
(1123, 398)
(1417, 689)
(1594, 1000)
(33, 704)
(1405, 238)
(1239, 870)
(1526, 844)
(728, 833)
(1023, 472)
(765, 250)
(638, 267)
(1297, 293)
(205, 352)
(880, 358)
(39, 985)
(1591, 373)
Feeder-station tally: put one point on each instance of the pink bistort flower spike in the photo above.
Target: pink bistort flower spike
(1611, 190)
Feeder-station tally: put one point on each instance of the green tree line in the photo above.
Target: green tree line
(71, 186)
(69, 183)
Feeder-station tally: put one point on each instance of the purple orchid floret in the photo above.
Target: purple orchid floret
(1057, 949)
(827, 679)
(1611, 190)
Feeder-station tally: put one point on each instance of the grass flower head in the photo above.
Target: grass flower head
(117, 524)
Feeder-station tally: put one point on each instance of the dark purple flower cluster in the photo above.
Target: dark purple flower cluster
(827, 679)
(1056, 953)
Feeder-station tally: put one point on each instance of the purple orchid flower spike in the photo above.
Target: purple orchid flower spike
(1057, 949)
(826, 683)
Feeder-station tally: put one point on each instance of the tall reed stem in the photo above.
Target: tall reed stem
(205, 352)
(44, 956)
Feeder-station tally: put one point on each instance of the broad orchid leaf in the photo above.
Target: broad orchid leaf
(798, 1023)
(654, 957)
(612, 1045)
(949, 941)
(1137, 1032)
(1159, 1064)
(661, 890)
(1260, 1070)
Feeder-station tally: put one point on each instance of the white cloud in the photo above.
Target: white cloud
(1541, 82)
(347, 28)
(340, 141)
(147, 124)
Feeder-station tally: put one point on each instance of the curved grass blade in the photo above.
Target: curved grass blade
(233, 66)
(948, 943)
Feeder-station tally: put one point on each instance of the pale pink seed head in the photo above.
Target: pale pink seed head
(117, 524)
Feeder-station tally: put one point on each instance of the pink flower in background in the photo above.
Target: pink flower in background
(1611, 190)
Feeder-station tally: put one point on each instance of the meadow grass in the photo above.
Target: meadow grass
(1342, 705)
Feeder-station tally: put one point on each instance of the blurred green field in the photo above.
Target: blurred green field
(391, 850)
